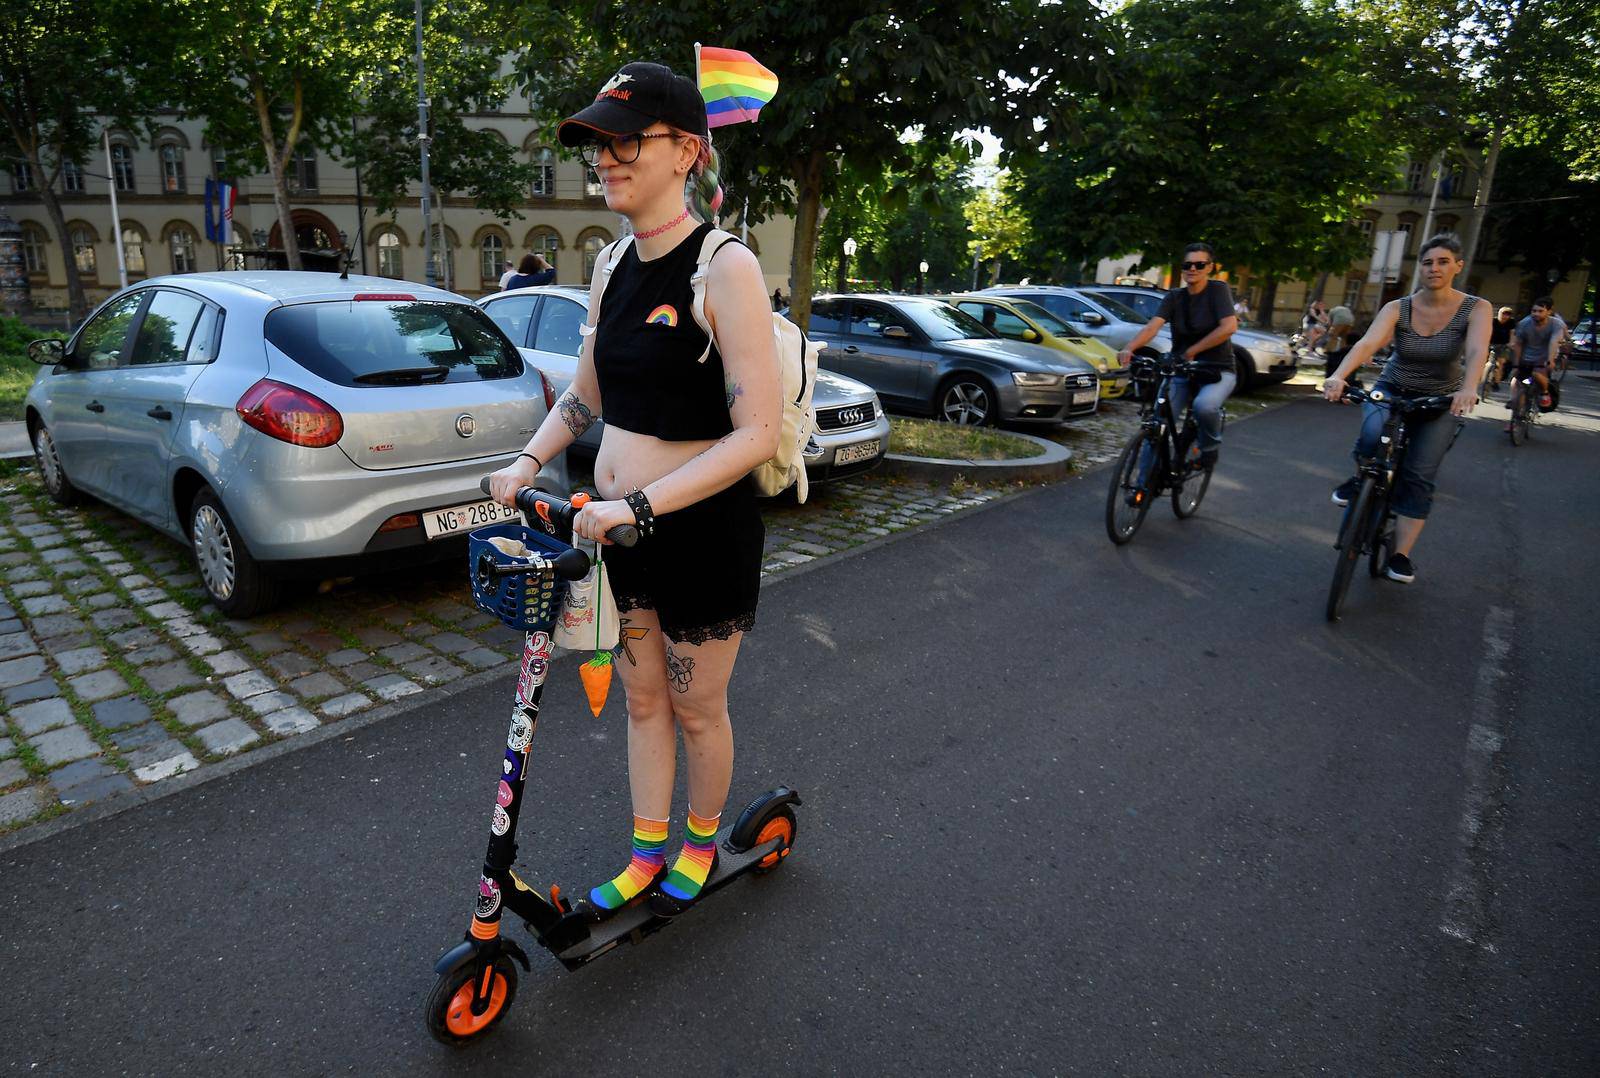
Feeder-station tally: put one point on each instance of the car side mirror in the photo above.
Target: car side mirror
(897, 333)
(48, 352)
(1093, 318)
(1029, 335)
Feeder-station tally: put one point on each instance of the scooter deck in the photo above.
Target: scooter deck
(637, 921)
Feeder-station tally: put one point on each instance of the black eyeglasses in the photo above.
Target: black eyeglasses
(624, 148)
(1196, 265)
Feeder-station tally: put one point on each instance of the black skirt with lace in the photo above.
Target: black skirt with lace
(701, 570)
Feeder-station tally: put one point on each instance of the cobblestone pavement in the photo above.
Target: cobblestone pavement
(116, 673)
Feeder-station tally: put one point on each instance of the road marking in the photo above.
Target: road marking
(1466, 897)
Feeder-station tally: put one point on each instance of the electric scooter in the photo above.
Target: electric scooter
(477, 978)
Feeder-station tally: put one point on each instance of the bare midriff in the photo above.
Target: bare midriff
(629, 461)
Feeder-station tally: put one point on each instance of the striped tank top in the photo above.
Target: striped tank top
(1427, 366)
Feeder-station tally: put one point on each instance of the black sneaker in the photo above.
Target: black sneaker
(1346, 490)
(1400, 568)
(1208, 458)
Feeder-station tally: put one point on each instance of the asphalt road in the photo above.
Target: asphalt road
(1069, 809)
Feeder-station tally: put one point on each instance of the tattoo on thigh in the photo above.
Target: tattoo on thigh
(574, 413)
(625, 637)
(680, 670)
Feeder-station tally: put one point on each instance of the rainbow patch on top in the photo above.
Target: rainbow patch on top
(664, 315)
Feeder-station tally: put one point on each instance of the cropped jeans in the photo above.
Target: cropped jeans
(1429, 436)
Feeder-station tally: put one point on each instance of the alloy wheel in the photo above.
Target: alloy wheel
(966, 403)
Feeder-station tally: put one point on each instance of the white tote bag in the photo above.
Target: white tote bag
(588, 620)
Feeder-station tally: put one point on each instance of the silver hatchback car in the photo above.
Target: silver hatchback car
(287, 424)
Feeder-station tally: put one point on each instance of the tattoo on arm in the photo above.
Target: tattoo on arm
(734, 391)
(574, 413)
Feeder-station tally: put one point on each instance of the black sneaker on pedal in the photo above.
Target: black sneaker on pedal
(1346, 490)
(1208, 458)
(1400, 568)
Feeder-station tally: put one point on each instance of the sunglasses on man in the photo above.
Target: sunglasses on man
(1196, 265)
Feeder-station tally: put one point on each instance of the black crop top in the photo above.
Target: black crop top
(647, 346)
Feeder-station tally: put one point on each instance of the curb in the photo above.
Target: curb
(1053, 461)
(14, 441)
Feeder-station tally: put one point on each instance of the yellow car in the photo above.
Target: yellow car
(1024, 320)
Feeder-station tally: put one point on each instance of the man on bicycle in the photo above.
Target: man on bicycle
(1201, 313)
(1534, 345)
(1500, 344)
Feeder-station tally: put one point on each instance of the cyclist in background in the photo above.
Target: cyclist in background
(1534, 345)
(1500, 343)
(1441, 340)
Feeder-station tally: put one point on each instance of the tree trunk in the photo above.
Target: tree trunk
(77, 301)
(1269, 301)
(808, 183)
(1480, 203)
(275, 164)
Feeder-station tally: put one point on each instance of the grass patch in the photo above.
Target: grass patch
(16, 369)
(949, 441)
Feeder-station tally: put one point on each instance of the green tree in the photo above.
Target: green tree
(999, 227)
(1265, 153)
(63, 72)
(900, 219)
(855, 76)
(1549, 222)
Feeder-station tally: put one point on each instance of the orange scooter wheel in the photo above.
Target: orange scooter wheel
(780, 825)
(450, 1016)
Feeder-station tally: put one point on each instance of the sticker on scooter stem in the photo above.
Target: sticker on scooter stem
(511, 766)
(501, 823)
(521, 734)
(488, 897)
(502, 796)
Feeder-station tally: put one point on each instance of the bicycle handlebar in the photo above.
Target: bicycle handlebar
(543, 506)
(1166, 365)
(1403, 405)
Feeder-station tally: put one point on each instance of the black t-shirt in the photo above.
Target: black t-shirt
(1198, 316)
(1500, 332)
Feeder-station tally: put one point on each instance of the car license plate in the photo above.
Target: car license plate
(437, 523)
(1086, 397)
(849, 454)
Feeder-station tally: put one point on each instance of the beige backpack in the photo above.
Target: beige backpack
(797, 370)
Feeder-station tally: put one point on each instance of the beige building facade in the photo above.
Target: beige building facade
(161, 185)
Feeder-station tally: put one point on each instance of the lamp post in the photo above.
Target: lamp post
(922, 276)
(844, 267)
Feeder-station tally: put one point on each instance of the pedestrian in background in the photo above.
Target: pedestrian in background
(532, 270)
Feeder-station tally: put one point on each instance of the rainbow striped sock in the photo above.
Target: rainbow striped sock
(649, 854)
(693, 865)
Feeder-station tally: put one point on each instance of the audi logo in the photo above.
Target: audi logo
(849, 417)
(465, 425)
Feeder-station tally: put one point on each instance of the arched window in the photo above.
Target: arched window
(389, 259)
(181, 242)
(444, 257)
(122, 165)
(591, 245)
(591, 183)
(544, 172)
(491, 257)
(1408, 225)
(172, 175)
(83, 251)
(33, 247)
(133, 251)
(544, 240)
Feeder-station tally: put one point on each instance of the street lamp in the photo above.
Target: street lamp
(260, 236)
(922, 276)
(844, 266)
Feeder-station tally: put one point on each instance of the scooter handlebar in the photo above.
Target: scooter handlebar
(541, 505)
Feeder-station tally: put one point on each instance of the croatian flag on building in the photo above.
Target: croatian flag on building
(219, 211)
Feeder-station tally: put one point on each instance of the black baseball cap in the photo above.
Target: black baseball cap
(634, 98)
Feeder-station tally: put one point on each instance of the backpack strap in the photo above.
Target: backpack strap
(604, 263)
(715, 241)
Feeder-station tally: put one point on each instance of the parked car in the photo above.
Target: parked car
(1262, 357)
(925, 357)
(1024, 320)
(1585, 346)
(852, 431)
(286, 424)
(1106, 321)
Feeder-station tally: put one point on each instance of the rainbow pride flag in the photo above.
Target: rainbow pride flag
(734, 85)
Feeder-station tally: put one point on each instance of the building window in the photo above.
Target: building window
(591, 183)
(1416, 173)
(122, 165)
(21, 176)
(444, 264)
(591, 251)
(1364, 226)
(493, 257)
(544, 173)
(546, 242)
(1352, 292)
(83, 252)
(219, 162)
(1446, 223)
(1408, 227)
(389, 255)
(71, 178)
(133, 252)
(33, 250)
(172, 179)
(303, 171)
(182, 241)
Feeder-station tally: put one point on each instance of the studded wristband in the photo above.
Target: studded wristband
(643, 515)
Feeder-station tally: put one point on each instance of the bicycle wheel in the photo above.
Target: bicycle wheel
(1382, 543)
(1122, 519)
(1191, 489)
(1354, 535)
(1519, 417)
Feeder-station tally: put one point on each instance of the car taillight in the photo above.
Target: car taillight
(290, 415)
(549, 394)
(390, 297)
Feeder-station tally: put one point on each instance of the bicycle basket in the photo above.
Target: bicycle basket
(526, 601)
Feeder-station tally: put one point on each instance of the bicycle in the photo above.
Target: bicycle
(1127, 502)
(1524, 405)
(1368, 526)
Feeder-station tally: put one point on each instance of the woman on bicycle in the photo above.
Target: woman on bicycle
(1201, 313)
(681, 436)
(1441, 340)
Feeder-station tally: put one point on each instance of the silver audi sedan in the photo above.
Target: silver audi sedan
(287, 424)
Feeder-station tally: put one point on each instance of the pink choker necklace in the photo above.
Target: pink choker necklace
(669, 226)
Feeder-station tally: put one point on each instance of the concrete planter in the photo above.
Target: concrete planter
(1053, 462)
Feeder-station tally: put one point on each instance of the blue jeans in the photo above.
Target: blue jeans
(1428, 438)
(1207, 413)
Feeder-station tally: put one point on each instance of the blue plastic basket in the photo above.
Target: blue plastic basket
(527, 601)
